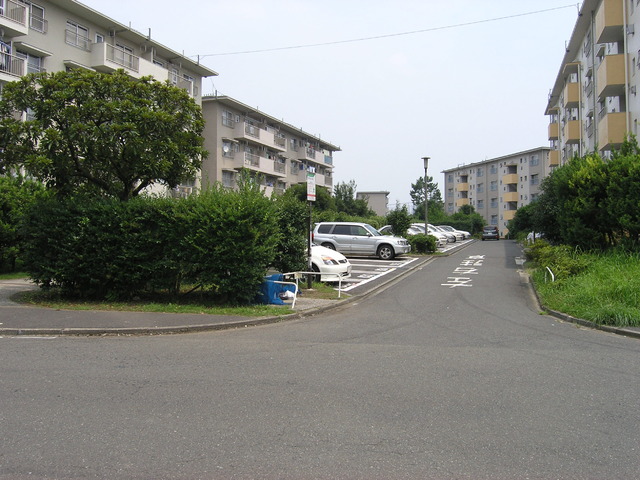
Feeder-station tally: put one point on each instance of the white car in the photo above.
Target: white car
(451, 238)
(465, 235)
(329, 263)
(441, 238)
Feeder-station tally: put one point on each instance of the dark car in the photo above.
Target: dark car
(490, 233)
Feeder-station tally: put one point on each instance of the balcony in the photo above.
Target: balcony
(571, 95)
(510, 179)
(554, 131)
(609, 21)
(13, 19)
(554, 158)
(610, 76)
(461, 202)
(510, 197)
(11, 67)
(254, 133)
(108, 58)
(508, 215)
(571, 131)
(462, 187)
(260, 164)
(611, 130)
(311, 154)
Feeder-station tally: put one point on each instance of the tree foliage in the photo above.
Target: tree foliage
(346, 201)
(436, 204)
(16, 197)
(96, 133)
(400, 220)
(591, 202)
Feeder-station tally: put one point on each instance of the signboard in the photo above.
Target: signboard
(311, 186)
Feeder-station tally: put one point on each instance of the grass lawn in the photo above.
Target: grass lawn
(606, 293)
(160, 303)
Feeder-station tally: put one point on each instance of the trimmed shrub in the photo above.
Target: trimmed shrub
(422, 243)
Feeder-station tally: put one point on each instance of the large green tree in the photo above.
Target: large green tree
(346, 201)
(436, 204)
(105, 134)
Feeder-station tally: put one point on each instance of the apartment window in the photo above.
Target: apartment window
(480, 188)
(535, 179)
(33, 63)
(77, 35)
(494, 220)
(494, 203)
(99, 38)
(450, 178)
(227, 178)
(36, 17)
(535, 160)
(480, 204)
(480, 172)
(493, 170)
(227, 118)
(494, 185)
(450, 192)
(228, 149)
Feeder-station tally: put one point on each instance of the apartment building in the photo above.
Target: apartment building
(594, 101)
(378, 201)
(56, 35)
(241, 137)
(496, 188)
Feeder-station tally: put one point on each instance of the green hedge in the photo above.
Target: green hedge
(222, 241)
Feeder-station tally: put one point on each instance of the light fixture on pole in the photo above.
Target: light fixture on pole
(426, 206)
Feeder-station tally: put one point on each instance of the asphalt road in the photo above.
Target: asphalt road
(450, 373)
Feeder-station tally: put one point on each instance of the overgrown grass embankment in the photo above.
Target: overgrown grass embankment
(605, 290)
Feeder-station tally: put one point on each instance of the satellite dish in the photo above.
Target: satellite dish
(225, 148)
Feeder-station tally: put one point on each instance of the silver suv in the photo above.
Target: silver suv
(359, 239)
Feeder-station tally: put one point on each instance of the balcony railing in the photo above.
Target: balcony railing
(11, 65)
(251, 159)
(13, 18)
(123, 58)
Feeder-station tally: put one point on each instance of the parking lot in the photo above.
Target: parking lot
(369, 269)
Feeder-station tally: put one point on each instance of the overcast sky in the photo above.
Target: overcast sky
(460, 81)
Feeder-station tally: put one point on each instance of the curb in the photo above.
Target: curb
(179, 329)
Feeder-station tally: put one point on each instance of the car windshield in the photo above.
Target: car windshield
(373, 231)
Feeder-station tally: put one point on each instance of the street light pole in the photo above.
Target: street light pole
(426, 203)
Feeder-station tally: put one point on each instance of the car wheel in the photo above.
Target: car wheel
(329, 245)
(316, 278)
(386, 252)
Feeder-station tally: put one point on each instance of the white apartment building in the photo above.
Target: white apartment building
(496, 188)
(238, 136)
(595, 100)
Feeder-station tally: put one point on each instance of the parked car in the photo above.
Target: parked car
(451, 238)
(329, 263)
(359, 239)
(441, 239)
(460, 234)
(490, 232)
(388, 230)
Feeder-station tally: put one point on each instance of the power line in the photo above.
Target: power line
(413, 32)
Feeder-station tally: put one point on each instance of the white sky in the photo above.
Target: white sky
(454, 92)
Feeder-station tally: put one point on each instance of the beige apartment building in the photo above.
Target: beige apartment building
(595, 100)
(378, 201)
(241, 137)
(496, 188)
(56, 35)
